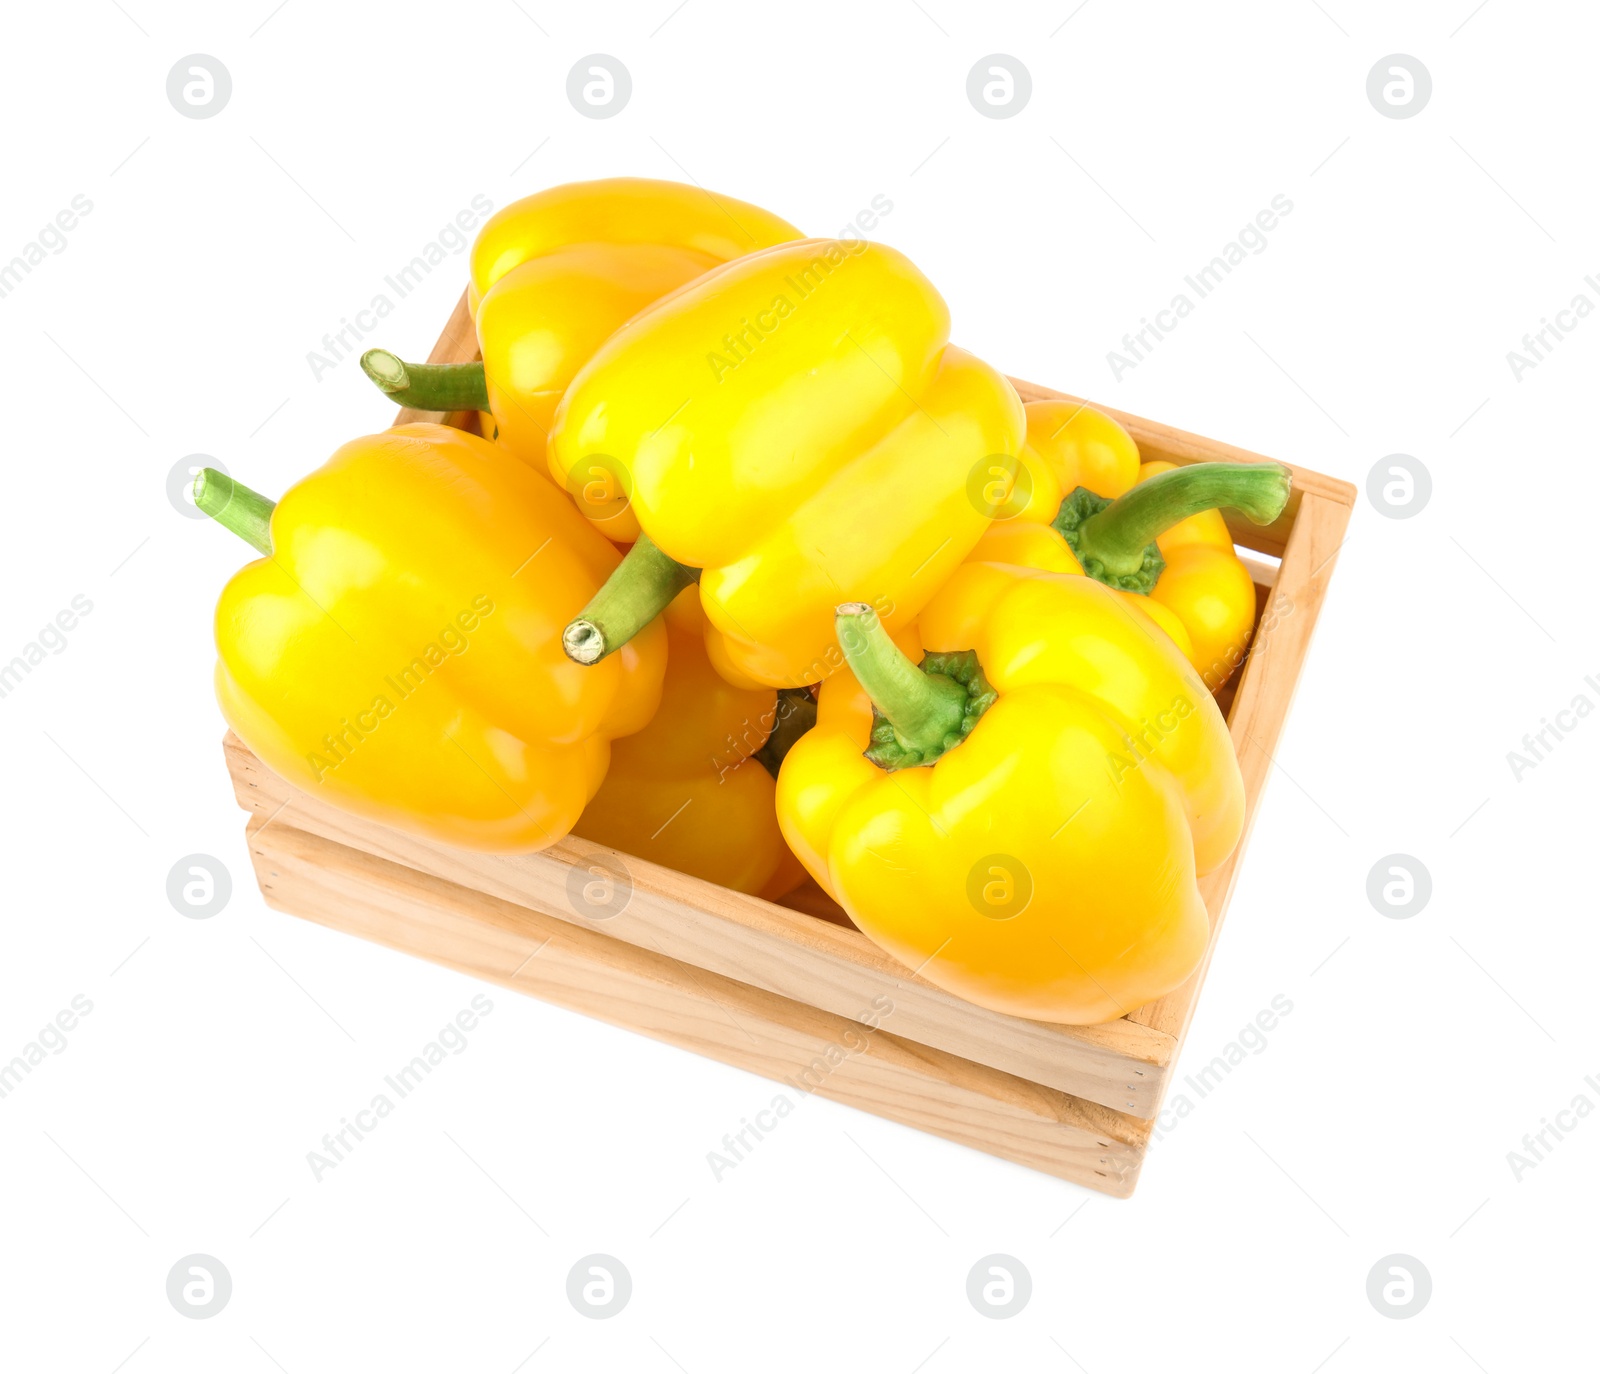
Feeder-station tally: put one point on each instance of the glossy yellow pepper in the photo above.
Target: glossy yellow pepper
(620, 210)
(1165, 545)
(396, 651)
(689, 790)
(796, 426)
(553, 276)
(1022, 818)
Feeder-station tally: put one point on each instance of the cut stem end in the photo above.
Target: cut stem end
(638, 590)
(388, 373)
(234, 506)
(584, 642)
(427, 386)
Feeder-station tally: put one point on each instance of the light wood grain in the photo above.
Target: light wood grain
(1121, 1064)
(1260, 710)
(477, 934)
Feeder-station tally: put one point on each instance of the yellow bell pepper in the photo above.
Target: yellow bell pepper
(1084, 502)
(396, 650)
(1021, 819)
(553, 276)
(690, 791)
(796, 426)
(620, 210)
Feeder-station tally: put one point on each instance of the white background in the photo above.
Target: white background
(1379, 1116)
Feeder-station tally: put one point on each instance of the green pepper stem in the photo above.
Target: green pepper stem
(427, 386)
(642, 586)
(234, 506)
(1119, 535)
(925, 710)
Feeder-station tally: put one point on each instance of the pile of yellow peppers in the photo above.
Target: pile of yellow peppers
(752, 574)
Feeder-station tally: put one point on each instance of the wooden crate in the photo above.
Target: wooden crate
(782, 990)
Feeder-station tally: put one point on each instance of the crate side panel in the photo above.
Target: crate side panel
(1121, 1065)
(529, 952)
(1260, 710)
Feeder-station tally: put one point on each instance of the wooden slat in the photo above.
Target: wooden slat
(1307, 539)
(1260, 710)
(1122, 1064)
(358, 893)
